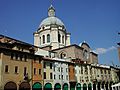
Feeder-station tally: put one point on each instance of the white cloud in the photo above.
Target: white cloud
(104, 50)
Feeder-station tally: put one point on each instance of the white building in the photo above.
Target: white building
(45, 53)
(51, 32)
(60, 72)
(82, 74)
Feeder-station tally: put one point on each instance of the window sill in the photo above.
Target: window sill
(6, 72)
(16, 73)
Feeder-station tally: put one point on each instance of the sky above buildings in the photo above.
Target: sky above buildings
(95, 21)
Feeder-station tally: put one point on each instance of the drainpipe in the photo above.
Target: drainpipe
(42, 74)
(32, 73)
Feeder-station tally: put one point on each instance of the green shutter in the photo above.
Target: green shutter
(58, 86)
(37, 85)
(84, 85)
(48, 85)
(78, 87)
(72, 88)
(65, 87)
(89, 85)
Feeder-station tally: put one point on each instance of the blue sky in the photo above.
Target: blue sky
(95, 21)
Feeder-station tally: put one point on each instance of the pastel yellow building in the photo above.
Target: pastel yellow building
(15, 64)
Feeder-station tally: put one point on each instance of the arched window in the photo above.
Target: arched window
(48, 38)
(43, 38)
(37, 86)
(63, 39)
(24, 86)
(62, 55)
(59, 38)
(48, 86)
(10, 86)
(40, 40)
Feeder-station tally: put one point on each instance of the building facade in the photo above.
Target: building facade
(61, 75)
(37, 73)
(23, 67)
(79, 53)
(52, 63)
(15, 64)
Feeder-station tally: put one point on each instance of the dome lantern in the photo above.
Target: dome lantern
(51, 11)
(51, 19)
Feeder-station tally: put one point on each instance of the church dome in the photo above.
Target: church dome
(51, 19)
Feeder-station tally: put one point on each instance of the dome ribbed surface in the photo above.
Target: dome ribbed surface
(51, 20)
